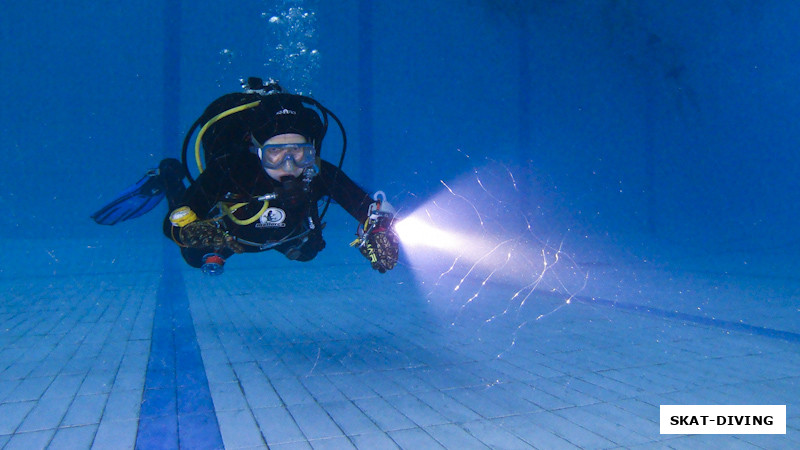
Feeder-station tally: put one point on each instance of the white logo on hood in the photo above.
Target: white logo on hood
(285, 111)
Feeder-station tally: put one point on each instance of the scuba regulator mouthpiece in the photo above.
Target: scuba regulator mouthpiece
(293, 191)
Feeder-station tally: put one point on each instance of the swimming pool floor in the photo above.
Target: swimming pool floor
(138, 352)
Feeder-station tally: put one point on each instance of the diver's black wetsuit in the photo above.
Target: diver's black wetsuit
(290, 224)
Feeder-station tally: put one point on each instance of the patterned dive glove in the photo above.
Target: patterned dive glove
(377, 240)
(208, 234)
(381, 248)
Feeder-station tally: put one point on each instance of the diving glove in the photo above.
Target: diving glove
(207, 234)
(381, 248)
(377, 240)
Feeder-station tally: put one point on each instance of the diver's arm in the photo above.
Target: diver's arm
(344, 191)
(237, 173)
(376, 238)
(190, 223)
(205, 192)
(195, 204)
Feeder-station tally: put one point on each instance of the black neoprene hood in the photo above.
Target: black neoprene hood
(285, 113)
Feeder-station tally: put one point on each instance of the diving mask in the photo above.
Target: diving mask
(275, 156)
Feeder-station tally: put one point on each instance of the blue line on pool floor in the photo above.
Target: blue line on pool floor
(716, 323)
(177, 410)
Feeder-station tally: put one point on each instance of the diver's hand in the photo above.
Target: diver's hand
(381, 248)
(206, 234)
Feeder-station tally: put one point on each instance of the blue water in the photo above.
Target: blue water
(616, 178)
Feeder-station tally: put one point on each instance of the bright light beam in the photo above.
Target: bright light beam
(478, 230)
(414, 232)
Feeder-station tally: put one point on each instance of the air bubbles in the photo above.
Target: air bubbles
(224, 61)
(291, 54)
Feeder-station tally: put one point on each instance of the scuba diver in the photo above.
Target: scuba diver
(260, 186)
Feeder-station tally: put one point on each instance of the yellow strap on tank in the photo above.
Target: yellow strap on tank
(213, 120)
(229, 209)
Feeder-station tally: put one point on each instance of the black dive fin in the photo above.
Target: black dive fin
(134, 201)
